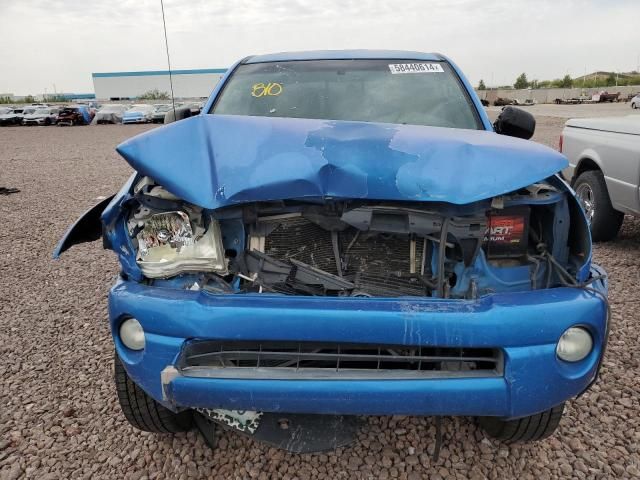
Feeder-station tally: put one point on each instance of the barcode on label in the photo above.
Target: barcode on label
(415, 68)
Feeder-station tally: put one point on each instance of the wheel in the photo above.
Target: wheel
(634, 106)
(142, 411)
(604, 220)
(526, 429)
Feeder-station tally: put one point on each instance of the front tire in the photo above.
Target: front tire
(604, 220)
(142, 411)
(526, 429)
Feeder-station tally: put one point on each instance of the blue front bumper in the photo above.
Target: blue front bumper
(525, 326)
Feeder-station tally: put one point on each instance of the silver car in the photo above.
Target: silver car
(41, 116)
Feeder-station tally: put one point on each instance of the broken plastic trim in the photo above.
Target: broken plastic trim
(88, 228)
(298, 275)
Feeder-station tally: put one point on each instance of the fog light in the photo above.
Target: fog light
(132, 334)
(574, 344)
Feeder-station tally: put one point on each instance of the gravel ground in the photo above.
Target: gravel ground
(580, 110)
(59, 416)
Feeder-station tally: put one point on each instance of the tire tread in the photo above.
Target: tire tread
(607, 220)
(142, 411)
(526, 429)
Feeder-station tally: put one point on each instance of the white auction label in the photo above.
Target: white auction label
(416, 68)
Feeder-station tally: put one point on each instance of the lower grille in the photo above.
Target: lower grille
(309, 360)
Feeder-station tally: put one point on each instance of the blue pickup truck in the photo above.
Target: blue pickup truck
(345, 233)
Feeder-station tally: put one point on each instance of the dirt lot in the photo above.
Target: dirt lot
(59, 416)
(581, 110)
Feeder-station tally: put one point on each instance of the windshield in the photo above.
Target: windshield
(162, 108)
(390, 91)
(28, 111)
(42, 111)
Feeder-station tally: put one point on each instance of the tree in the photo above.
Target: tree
(154, 94)
(566, 82)
(481, 85)
(521, 82)
(611, 80)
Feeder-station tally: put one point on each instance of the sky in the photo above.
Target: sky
(56, 44)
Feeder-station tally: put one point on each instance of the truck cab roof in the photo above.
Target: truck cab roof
(344, 55)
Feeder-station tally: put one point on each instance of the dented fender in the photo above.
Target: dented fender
(93, 223)
(87, 228)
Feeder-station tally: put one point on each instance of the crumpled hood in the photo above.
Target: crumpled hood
(219, 160)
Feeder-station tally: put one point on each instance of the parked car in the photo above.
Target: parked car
(635, 102)
(604, 166)
(604, 96)
(501, 102)
(195, 107)
(111, 113)
(524, 103)
(179, 113)
(338, 251)
(15, 115)
(138, 114)
(74, 115)
(92, 106)
(159, 112)
(41, 116)
(10, 116)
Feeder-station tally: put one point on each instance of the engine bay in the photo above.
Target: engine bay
(352, 248)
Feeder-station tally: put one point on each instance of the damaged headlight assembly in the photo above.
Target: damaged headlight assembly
(176, 241)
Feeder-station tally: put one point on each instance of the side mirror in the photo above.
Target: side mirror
(181, 114)
(515, 122)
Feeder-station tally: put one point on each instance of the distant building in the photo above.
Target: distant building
(186, 83)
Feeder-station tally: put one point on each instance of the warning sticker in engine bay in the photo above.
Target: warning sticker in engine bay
(415, 68)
